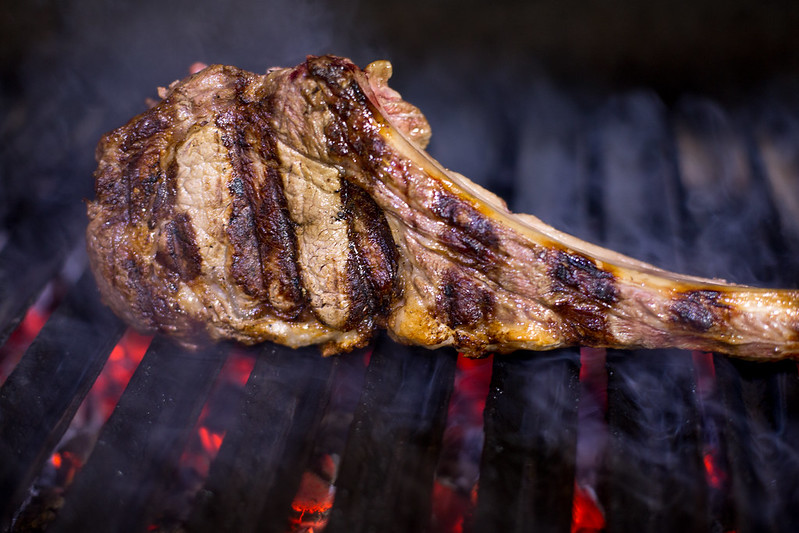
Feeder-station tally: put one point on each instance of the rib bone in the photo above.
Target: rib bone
(300, 207)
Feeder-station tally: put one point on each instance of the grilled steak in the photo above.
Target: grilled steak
(299, 207)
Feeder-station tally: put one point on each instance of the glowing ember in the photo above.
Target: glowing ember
(593, 375)
(211, 441)
(21, 338)
(238, 368)
(472, 381)
(67, 465)
(715, 475)
(587, 516)
(592, 431)
(451, 508)
(309, 519)
(455, 488)
(33, 322)
(122, 362)
(204, 446)
(705, 373)
(311, 507)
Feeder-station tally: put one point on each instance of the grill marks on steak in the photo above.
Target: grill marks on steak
(299, 207)
(222, 245)
(178, 250)
(588, 293)
(260, 231)
(371, 261)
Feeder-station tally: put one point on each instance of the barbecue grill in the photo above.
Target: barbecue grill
(395, 438)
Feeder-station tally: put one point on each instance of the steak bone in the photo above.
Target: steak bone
(300, 207)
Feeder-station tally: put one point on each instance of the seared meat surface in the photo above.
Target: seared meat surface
(299, 207)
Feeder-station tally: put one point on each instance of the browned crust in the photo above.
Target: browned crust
(372, 262)
(178, 252)
(698, 310)
(260, 229)
(584, 295)
(481, 278)
(462, 302)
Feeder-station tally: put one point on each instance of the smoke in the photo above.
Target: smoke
(685, 181)
(730, 224)
(91, 65)
(552, 172)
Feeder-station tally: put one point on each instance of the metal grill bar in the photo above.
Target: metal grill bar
(386, 476)
(654, 478)
(760, 442)
(528, 463)
(266, 450)
(31, 258)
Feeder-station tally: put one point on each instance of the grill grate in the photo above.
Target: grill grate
(142, 440)
(530, 436)
(387, 471)
(268, 447)
(687, 441)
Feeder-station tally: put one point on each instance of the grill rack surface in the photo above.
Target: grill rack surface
(652, 474)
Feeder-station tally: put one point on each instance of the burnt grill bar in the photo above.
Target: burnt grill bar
(760, 443)
(652, 472)
(267, 448)
(653, 475)
(41, 396)
(528, 465)
(137, 449)
(386, 478)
